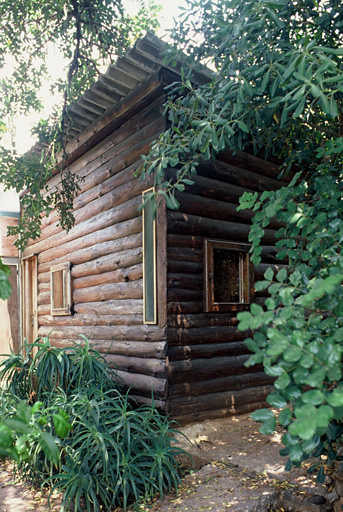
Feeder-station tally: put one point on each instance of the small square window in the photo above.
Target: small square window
(228, 280)
(60, 286)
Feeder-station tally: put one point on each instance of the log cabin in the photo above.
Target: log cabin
(158, 296)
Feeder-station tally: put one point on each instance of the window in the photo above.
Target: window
(149, 259)
(228, 280)
(60, 286)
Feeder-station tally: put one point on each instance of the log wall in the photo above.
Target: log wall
(206, 353)
(105, 251)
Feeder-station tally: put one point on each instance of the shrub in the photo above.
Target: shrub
(107, 452)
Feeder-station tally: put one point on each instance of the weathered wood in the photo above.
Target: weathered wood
(212, 228)
(204, 369)
(144, 349)
(185, 307)
(235, 410)
(122, 274)
(214, 189)
(196, 416)
(190, 282)
(108, 263)
(180, 353)
(201, 320)
(232, 383)
(115, 332)
(177, 294)
(248, 161)
(216, 209)
(111, 307)
(119, 230)
(91, 319)
(212, 401)
(130, 290)
(231, 173)
(161, 405)
(152, 367)
(200, 335)
(177, 240)
(127, 249)
(185, 267)
(185, 254)
(126, 211)
(144, 383)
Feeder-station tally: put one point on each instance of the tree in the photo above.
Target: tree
(88, 34)
(277, 87)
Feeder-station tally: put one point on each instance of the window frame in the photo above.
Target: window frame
(149, 260)
(246, 275)
(66, 290)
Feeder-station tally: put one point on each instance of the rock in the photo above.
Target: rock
(316, 499)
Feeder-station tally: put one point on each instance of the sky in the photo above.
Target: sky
(22, 136)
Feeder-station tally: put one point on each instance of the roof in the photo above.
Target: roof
(121, 78)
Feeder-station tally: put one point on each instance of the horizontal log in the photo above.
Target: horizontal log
(7, 247)
(200, 335)
(161, 405)
(245, 160)
(111, 307)
(102, 220)
(201, 320)
(191, 282)
(123, 290)
(122, 274)
(185, 307)
(212, 228)
(182, 294)
(231, 173)
(115, 332)
(197, 416)
(185, 254)
(91, 319)
(140, 349)
(180, 353)
(144, 384)
(214, 189)
(130, 245)
(216, 209)
(109, 263)
(204, 369)
(232, 383)
(115, 232)
(175, 240)
(152, 367)
(223, 400)
(185, 267)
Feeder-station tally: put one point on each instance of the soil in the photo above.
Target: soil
(235, 469)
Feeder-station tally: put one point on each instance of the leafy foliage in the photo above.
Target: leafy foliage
(275, 86)
(80, 433)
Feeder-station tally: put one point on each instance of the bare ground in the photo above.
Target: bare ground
(236, 469)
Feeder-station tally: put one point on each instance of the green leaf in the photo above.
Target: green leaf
(283, 381)
(335, 398)
(268, 426)
(292, 353)
(269, 274)
(303, 427)
(62, 426)
(313, 397)
(49, 446)
(276, 400)
(262, 415)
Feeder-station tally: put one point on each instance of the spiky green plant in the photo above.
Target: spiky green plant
(113, 454)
